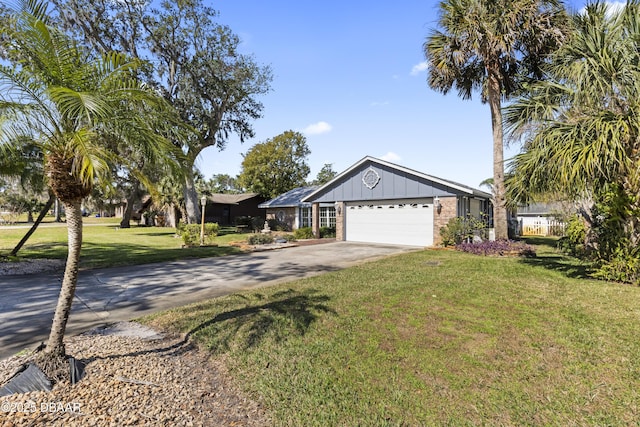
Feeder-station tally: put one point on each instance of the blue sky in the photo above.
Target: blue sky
(348, 76)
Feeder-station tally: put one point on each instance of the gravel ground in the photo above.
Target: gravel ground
(134, 377)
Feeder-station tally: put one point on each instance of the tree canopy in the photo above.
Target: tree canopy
(276, 166)
(325, 175)
(190, 58)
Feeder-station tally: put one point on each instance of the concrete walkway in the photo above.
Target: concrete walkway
(110, 295)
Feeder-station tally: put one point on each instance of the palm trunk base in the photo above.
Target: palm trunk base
(55, 365)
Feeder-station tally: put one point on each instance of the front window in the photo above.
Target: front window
(305, 217)
(328, 217)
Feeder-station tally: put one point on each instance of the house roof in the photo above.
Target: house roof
(369, 160)
(230, 199)
(541, 209)
(290, 199)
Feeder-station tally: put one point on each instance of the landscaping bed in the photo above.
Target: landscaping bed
(133, 380)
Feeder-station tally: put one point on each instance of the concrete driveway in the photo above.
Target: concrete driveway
(115, 294)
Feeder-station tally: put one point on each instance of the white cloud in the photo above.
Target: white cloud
(613, 7)
(419, 68)
(317, 128)
(391, 157)
(379, 103)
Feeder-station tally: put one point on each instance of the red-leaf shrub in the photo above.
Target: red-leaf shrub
(498, 248)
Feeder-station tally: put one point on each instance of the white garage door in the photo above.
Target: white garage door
(408, 222)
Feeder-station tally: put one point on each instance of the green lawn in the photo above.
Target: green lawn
(105, 244)
(432, 338)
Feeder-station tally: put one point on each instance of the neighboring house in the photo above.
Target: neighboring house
(380, 202)
(225, 208)
(139, 207)
(289, 210)
(540, 219)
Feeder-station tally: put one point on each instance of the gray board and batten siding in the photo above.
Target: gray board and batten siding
(394, 183)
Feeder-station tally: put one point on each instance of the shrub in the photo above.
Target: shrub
(190, 233)
(461, 229)
(288, 237)
(260, 239)
(276, 225)
(573, 242)
(253, 223)
(498, 247)
(624, 266)
(327, 232)
(303, 233)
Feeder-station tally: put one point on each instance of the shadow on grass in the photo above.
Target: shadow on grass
(549, 257)
(99, 256)
(570, 267)
(156, 234)
(285, 314)
(549, 242)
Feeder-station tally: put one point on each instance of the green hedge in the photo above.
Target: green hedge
(303, 233)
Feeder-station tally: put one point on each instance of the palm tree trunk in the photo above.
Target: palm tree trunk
(35, 225)
(499, 208)
(55, 345)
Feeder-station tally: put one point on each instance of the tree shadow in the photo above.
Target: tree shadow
(284, 314)
(549, 242)
(570, 267)
(551, 258)
(124, 254)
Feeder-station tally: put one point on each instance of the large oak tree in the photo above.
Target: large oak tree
(193, 60)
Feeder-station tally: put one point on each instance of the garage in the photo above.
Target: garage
(375, 201)
(403, 222)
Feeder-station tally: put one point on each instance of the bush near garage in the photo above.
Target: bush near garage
(303, 233)
(327, 232)
(460, 229)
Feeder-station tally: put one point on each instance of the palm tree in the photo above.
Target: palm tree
(581, 125)
(65, 101)
(492, 46)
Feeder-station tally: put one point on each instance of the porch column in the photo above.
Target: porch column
(315, 219)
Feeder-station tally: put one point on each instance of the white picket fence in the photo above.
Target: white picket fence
(541, 226)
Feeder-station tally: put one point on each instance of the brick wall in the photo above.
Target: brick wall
(340, 221)
(289, 217)
(440, 219)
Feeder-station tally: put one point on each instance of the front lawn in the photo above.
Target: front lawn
(432, 338)
(107, 245)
